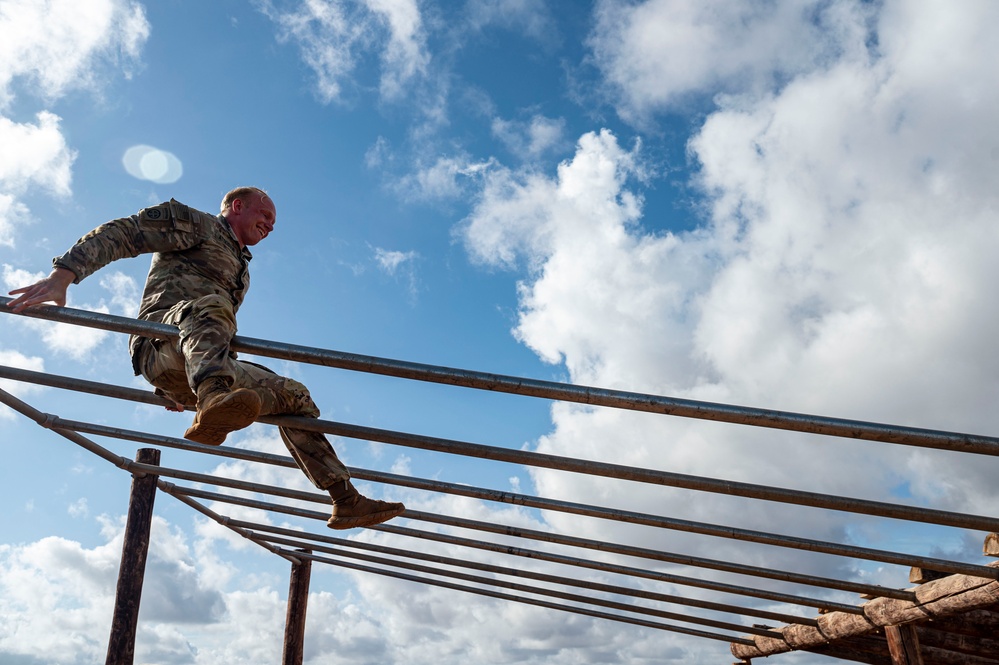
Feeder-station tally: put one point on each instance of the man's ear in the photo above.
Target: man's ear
(236, 205)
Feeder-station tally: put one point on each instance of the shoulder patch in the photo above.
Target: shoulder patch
(160, 213)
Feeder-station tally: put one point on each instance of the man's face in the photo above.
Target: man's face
(252, 220)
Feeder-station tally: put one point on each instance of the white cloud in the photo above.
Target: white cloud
(405, 55)
(446, 178)
(843, 266)
(530, 139)
(655, 54)
(391, 261)
(49, 48)
(57, 45)
(79, 508)
(75, 341)
(334, 35)
(531, 17)
(19, 388)
(34, 155)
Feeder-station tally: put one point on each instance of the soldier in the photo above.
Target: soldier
(197, 280)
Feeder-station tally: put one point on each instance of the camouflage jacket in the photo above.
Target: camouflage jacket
(194, 254)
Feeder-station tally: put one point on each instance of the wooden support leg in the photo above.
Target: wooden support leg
(121, 646)
(298, 602)
(903, 645)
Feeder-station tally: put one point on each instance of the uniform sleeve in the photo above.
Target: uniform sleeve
(167, 227)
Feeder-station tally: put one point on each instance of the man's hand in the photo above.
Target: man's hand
(51, 289)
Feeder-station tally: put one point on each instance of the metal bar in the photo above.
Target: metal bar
(310, 514)
(765, 538)
(573, 561)
(547, 504)
(172, 490)
(294, 557)
(285, 461)
(532, 601)
(645, 553)
(541, 577)
(605, 513)
(538, 555)
(314, 515)
(636, 474)
(489, 581)
(769, 418)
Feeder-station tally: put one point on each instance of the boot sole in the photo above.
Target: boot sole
(236, 411)
(370, 519)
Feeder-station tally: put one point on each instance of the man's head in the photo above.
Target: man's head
(251, 214)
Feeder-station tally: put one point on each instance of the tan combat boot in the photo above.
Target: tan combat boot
(352, 510)
(220, 411)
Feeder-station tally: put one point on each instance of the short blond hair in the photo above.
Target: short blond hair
(241, 193)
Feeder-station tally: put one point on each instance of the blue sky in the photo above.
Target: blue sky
(788, 206)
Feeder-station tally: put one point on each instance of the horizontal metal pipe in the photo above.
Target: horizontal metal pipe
(630, 571)
(528, 601)
(769, 418)
(583, 509)
(45, 420)
(288, 462)
(636, 474)
(688, 526)
(171, 489)
(655, 555)
(551, 504)
(314, 515)
(513, 586)
(541, 577)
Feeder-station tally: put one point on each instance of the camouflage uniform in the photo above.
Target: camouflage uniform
(197, 281)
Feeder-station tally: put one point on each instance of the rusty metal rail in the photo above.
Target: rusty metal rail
(622, 600)
(742, 415)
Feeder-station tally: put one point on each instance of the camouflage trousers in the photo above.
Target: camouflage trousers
(206, 326)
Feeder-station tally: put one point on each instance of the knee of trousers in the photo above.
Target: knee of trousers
(301, 400)
(213, 310)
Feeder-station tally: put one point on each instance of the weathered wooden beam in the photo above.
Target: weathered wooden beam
(870, 649)
(955, 594)
(991, 545)
(935, 656)
(903, 645)
(980, 623)
(298, 604)
(121, 645)
(985, 645)
(918, 575)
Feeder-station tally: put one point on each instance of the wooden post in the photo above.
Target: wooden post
(298, 603)
(903, 644)
(121, 646)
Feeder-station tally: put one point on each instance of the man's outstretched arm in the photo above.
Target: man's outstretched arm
(50, 289)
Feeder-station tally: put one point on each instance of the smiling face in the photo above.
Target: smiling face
(252, 219)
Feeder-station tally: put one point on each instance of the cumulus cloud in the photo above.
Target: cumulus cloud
(34, 156)
(19, 388)
(447, 177)
(532, 138)
(657, 54)
(840, 268)
(58, 596)
(74, 341)
(531, 17)
(49, 48)
(57, 45)
(334, 36)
